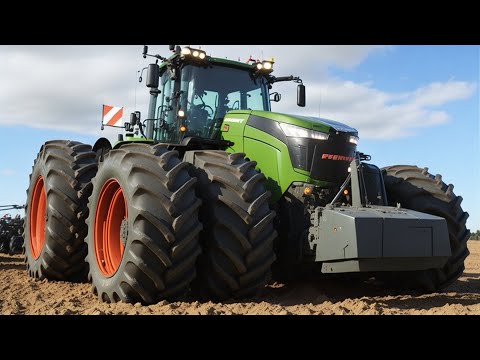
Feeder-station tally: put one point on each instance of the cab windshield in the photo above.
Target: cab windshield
(206, 95)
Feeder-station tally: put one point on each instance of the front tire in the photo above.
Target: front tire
(418, 190)
(238, 235)
(54, 228)
(143, 226)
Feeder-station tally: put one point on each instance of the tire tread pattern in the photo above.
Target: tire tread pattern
(416, 189)
(159, 258)
(67, 168)
(238, 234)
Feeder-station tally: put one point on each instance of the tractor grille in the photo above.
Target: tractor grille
(326, 160)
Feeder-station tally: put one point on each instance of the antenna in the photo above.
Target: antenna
(140, 79)
(136, 85)
(102, 127)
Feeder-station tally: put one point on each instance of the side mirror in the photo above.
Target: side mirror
(301, 95)
(145, 50)
(133, 119)
(153, 76)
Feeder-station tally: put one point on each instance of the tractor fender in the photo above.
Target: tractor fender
(102, 143)
(101, 148)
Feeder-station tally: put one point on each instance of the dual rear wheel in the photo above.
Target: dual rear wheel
(136, 223)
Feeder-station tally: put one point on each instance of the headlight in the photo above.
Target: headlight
(186, 51)
(353, 140)
(297, 131)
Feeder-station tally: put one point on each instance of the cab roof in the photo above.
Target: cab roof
(215, 60)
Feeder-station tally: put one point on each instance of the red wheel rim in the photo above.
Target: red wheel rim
(38, 211)
(110, 212)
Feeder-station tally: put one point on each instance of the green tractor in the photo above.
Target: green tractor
(213, 191)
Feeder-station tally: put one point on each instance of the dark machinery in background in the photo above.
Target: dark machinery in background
(11, 229)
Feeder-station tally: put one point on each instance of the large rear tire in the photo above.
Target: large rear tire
(143, 226)
(238, 235)
(54, 229)
(416, 189)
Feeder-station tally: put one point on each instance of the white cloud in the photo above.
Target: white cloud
(64, 87)
(380, 115)
(437, 93)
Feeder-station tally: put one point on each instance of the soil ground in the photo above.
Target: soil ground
(20, 294)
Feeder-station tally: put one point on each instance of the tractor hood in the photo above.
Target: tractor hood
(324, 159)
(309, 122)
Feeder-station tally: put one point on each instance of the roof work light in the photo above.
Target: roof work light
(193, 53)
(265, 67)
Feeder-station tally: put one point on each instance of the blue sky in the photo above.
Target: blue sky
(450, 149)
(414, 105)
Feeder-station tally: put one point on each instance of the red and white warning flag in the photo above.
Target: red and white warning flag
(112, 115)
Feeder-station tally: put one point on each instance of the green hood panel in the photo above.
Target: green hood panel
(308, 122)
(335, 125)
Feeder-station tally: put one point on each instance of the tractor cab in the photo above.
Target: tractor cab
(191, 93)
(194, 102)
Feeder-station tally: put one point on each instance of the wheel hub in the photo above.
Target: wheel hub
(110, 227)
(37, 217)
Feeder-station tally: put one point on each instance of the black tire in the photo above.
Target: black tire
(292, 259)
(237, 240)
(161, 245)
(3, 245)
(15, 245)
(416, 189)
(67, 168)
